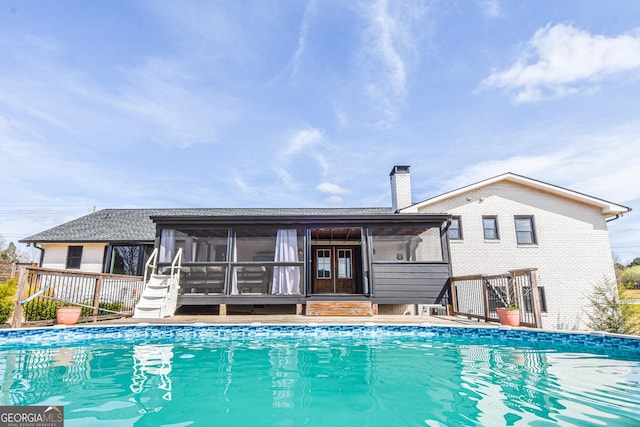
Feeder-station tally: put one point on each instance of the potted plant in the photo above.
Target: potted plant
(509, 316)
(68, 314)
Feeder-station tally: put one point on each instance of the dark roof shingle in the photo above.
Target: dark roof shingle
(135, 225)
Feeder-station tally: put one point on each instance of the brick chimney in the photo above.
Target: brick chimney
(400, 188)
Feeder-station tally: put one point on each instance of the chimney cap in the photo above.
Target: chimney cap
(399, 169)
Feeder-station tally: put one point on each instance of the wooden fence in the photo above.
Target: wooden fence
(41, 291)
(478, 296)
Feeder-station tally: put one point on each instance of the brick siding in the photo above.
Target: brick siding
(572, 252)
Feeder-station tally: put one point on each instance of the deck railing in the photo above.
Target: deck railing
(41, 291)
(478, 296)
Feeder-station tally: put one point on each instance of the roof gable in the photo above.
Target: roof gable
(607, 208)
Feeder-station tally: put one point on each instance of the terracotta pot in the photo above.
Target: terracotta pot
(68, 315)
(508, 316)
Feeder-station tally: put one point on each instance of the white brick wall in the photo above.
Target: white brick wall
(400, 190)
(55, 256)
(572, 253)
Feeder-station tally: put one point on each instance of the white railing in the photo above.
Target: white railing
(152, 263)
(174, 283)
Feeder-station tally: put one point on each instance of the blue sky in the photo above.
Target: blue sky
(310, 103)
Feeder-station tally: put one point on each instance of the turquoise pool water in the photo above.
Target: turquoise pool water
(322, 376)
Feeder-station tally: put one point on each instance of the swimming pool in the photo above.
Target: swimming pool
(322, 375)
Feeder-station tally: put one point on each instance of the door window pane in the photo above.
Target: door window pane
(323, 263)
(344, 264)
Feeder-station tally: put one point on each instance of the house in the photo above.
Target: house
(389, 257)
(511, 222)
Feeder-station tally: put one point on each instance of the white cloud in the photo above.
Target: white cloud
(302, 37)
(388, 34)
(613, 156)
(341, 117)
(331, 188)
(388, 45)
(152, 100)
(561, 60)
(302, 140)
(159, 94)
(490, 7)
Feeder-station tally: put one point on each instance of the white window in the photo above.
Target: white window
(525, 230)
(490, 227)
(455, 229)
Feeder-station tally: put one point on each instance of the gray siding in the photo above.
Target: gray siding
(410, 283)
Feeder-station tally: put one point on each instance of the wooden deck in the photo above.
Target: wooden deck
(339, 308)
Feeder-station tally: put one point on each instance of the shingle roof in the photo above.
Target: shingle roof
(135, 225)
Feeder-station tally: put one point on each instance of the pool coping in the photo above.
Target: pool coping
(334, 323)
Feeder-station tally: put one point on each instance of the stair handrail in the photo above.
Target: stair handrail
(151, 262)
(172, 297)
(177, 263)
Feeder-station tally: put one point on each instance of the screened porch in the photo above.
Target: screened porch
(244, 260)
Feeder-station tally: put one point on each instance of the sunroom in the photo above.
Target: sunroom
(292, 259)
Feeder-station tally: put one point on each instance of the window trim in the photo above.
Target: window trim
(495, 223)
(534, 237)
(74, 258)
(459, 228)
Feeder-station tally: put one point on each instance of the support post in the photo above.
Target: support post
(536, 298)
(96, 298)
(298, 309)
(454, 299)
(223, 310)
(485, 297)
(18, 313)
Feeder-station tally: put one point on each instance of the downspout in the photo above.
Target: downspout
(614, 218)
(446, 248)
(35, 245)
(620, 215)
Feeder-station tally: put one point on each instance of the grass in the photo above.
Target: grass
(631, 294)
(635, 308)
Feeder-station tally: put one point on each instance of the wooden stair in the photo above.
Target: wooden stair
(340, 308)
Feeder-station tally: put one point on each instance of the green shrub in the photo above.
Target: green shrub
(630, 277)
(7, 299)
(611, 313)
(113, 306)
(40, 309)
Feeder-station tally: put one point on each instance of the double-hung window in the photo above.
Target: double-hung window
(74, 256)
(490, 227)
(525, 230)
(455, 229)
